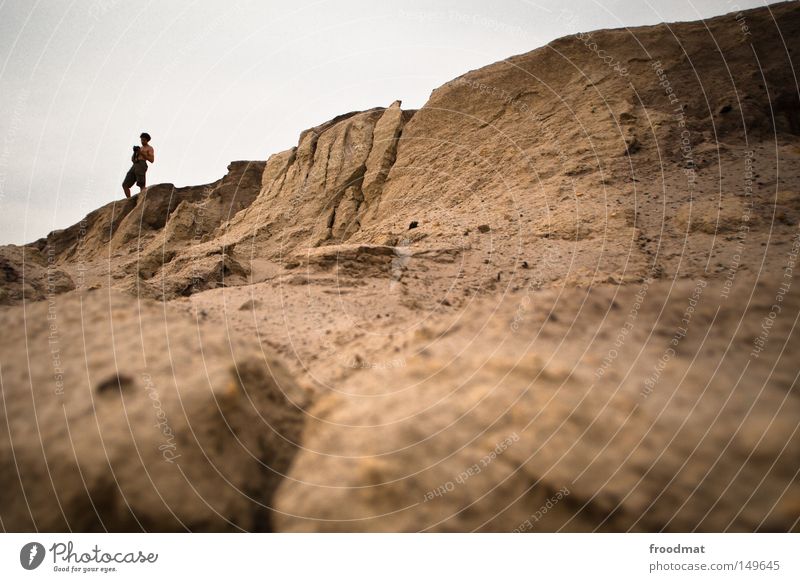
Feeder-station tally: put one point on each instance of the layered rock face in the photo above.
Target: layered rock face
(559, 297)
(320, 192)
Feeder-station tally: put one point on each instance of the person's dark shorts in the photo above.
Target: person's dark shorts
(136, 175)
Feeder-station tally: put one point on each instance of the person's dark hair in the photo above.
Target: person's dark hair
(146, 136)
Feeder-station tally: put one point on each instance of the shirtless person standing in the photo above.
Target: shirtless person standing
(139, 168)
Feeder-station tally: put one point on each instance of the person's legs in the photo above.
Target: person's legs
(141, 180)
(130, 180)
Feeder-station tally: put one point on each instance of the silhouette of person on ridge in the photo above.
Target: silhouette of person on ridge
(137, 173)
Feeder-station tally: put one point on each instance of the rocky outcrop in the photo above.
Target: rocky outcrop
(132, 241)
(203, 209)
(318, 192)
(120, 429)
(167, 266)
(90, 237)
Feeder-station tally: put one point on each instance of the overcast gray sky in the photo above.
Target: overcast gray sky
(216, 81)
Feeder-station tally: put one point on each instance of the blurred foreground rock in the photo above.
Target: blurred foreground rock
(136, 418)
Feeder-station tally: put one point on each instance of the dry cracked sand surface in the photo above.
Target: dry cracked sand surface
(561, 296)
